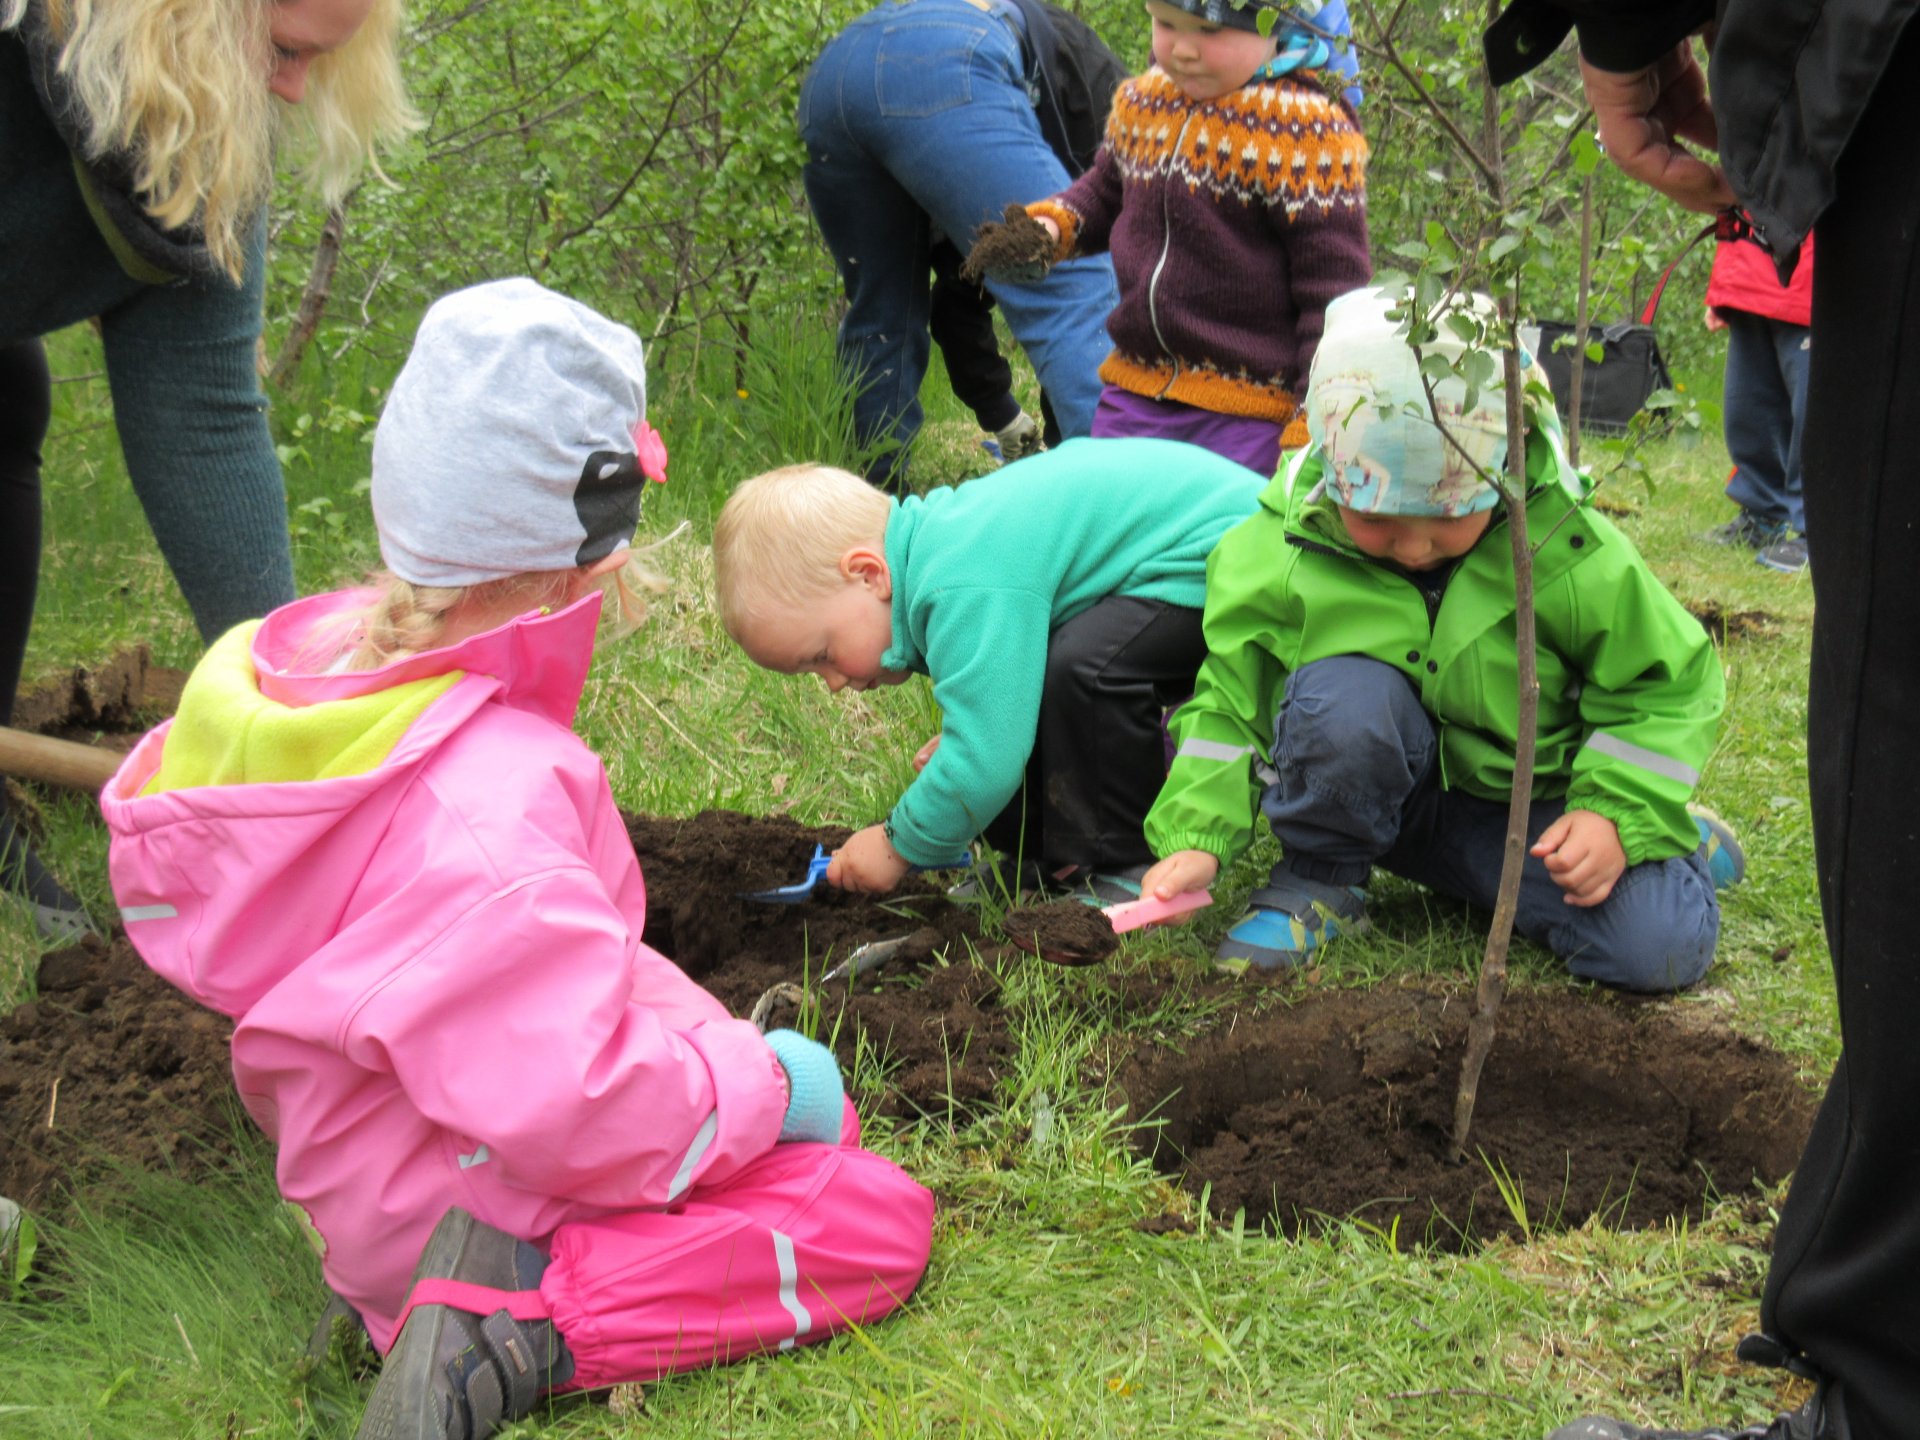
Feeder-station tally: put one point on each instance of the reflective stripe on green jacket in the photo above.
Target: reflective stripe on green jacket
(1630, 686)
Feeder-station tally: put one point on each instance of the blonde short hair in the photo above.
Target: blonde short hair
(179, 89)
(406, 619)
(780, 537)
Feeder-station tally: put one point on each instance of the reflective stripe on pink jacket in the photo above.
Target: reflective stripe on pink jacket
(435, 967)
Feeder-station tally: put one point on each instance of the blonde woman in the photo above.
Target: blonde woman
(136, 155)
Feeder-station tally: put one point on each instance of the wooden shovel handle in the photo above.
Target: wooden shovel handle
(55, 762)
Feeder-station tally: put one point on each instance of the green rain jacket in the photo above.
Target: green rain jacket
(1630, 686)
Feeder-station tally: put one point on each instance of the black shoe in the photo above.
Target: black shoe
(1802, 1424)
(57, 914)
(1748, 529)
(456, 1375)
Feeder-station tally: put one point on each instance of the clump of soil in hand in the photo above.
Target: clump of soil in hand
(1021, 246)
(1065, 932)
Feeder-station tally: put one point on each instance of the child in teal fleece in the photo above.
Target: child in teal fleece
(1055, 603)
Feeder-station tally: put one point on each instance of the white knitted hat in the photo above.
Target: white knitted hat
(511, 440)
(1368, 413)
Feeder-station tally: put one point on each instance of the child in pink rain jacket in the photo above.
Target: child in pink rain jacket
(533, 1154)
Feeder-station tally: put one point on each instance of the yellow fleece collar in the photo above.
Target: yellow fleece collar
(227, 733)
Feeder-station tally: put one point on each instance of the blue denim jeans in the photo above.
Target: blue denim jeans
(1358, 785)
(917, 120)
(1765, 401)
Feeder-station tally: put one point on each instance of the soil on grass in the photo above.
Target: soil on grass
(111, 704)
(1724, 625)
(110, 1065)
(931, 1015)
(1342, 1104)
(1328, 1103)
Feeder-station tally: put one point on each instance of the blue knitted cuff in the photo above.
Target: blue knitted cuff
(815, 1095)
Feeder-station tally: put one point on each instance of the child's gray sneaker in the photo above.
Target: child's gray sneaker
(1788, 556)
(1101, 888)
(1747, 528)
(1290, 917)
(455, 1374)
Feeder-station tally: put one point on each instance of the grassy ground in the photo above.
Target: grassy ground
(1046, 1311)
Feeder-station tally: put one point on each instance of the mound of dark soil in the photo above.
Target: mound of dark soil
(110, 1064)
(1342, 1105)
(1337, 1104)
(118, 698)
(931, 1013)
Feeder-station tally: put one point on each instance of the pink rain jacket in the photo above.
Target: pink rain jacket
(435, 966)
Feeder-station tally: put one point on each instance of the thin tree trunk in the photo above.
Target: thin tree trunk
(1493, 964)
(313, 299)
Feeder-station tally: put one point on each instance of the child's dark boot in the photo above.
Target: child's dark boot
(455, 1373)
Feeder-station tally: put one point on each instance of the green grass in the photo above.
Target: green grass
(159, 1309)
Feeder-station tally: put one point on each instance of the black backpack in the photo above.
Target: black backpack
(1072, 75)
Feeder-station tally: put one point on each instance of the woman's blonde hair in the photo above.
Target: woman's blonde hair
(179, 89)
(405, 619)
(780, 536)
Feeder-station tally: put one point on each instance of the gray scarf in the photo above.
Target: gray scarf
(145, 249)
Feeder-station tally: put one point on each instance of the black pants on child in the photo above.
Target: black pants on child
(1099, 756)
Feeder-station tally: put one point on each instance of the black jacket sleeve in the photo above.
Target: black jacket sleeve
(1614, 34)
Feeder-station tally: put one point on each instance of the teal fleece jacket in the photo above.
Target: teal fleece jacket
(983, 572)
(1630, 685)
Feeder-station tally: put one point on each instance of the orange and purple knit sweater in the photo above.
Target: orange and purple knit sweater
(1232, 223)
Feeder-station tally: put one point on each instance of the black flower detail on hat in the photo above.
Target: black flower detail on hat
(607, 500)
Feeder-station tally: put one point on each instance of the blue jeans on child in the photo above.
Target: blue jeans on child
(917, 118)
(1358, 785)
(1765, 400)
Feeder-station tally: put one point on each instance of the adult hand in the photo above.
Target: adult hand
(1714, 320)
(925, 753)
(1181, 871)
(867, 864)
(1583, 855)
(1643, 116)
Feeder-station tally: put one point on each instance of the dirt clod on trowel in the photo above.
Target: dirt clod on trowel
(1065, 932)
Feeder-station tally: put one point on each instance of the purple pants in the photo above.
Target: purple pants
(1253, 443)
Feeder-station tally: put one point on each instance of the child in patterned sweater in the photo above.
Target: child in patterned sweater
(1232, 147)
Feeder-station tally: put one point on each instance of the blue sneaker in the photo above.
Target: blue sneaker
(1290, 918)
(1726, 861)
